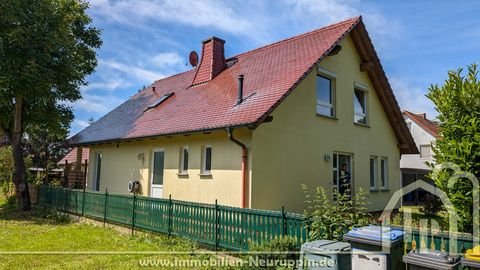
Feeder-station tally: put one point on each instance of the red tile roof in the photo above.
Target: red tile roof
(270, 74)
(421, 120)
(71, 157)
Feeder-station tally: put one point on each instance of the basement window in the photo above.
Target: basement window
(159, 101)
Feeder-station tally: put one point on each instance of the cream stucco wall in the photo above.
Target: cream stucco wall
(290, 150)
(120, 164)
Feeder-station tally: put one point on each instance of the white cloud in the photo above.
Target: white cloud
(137, 72)
(323, 12)
(167, 60)
(97, 104)
(208, 13)
(80, 124)
(106, 84)
(412, 98)
(327, 11)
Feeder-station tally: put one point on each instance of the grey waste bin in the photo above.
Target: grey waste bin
(430, 259)
(325, 254)
(472, 264)
(376, 248)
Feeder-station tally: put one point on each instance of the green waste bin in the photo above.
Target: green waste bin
(325, 254)
(376, 248)
(431, 259)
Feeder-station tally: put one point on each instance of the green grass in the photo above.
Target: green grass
(41, 231)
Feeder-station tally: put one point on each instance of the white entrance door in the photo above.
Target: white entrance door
(157, 174)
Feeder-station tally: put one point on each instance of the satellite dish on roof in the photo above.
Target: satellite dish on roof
(193, 58)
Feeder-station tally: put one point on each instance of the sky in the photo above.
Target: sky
(418, 42)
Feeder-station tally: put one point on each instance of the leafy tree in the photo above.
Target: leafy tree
(46, 145)
(47, 48)
(6, 168)
(458, 104)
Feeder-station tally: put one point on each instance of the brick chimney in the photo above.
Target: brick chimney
(212, 62)
(423, 115)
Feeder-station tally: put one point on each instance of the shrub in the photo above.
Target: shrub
(282, 249)
(458, 107)
(332, 215)
(431, 205)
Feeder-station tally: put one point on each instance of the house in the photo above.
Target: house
(414, 166)
(74, 175)
(248, 130)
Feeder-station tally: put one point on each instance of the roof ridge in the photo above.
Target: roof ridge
(352, 19)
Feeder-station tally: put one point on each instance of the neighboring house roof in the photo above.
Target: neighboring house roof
(271, 73)
(421, 120)
(71, 157)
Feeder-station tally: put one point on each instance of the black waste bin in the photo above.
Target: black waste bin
(325, 254)
(376, 248)
(430, 259)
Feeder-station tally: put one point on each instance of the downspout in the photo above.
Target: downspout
(244, 162)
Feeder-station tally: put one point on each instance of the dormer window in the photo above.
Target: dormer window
(159, 101)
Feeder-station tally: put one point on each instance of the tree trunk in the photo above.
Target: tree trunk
(19, 174)
(19, 178)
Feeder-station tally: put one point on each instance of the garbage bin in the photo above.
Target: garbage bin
(376, 247)
(430, 259)
(472, 258)
(325, 254)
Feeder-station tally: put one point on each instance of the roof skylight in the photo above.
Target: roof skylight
(159, 101)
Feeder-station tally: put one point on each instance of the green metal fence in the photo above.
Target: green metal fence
(225, 227)
(231, 228)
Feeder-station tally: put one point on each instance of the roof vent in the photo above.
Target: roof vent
(159, 101)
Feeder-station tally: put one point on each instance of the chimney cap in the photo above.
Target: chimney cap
(213, 38)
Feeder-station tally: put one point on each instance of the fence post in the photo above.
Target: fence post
(133, 213)
(170, 210)
(284, 222)
(216, 225)
(83, 203)
(105, 208)
(65, 204)
(49, 200)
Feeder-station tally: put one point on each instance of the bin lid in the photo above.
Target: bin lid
(375, 234)
(327, 245)
(432, 259)
(473, 254)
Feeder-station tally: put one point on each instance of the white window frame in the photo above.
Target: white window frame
(384, 182)
(375, 173)
(363, 88)
(181, 165)
(332, 77)
(204, 171)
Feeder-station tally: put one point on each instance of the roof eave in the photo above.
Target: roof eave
(379, 80)
(180, 133)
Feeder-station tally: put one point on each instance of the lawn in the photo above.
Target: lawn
(41, 231)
